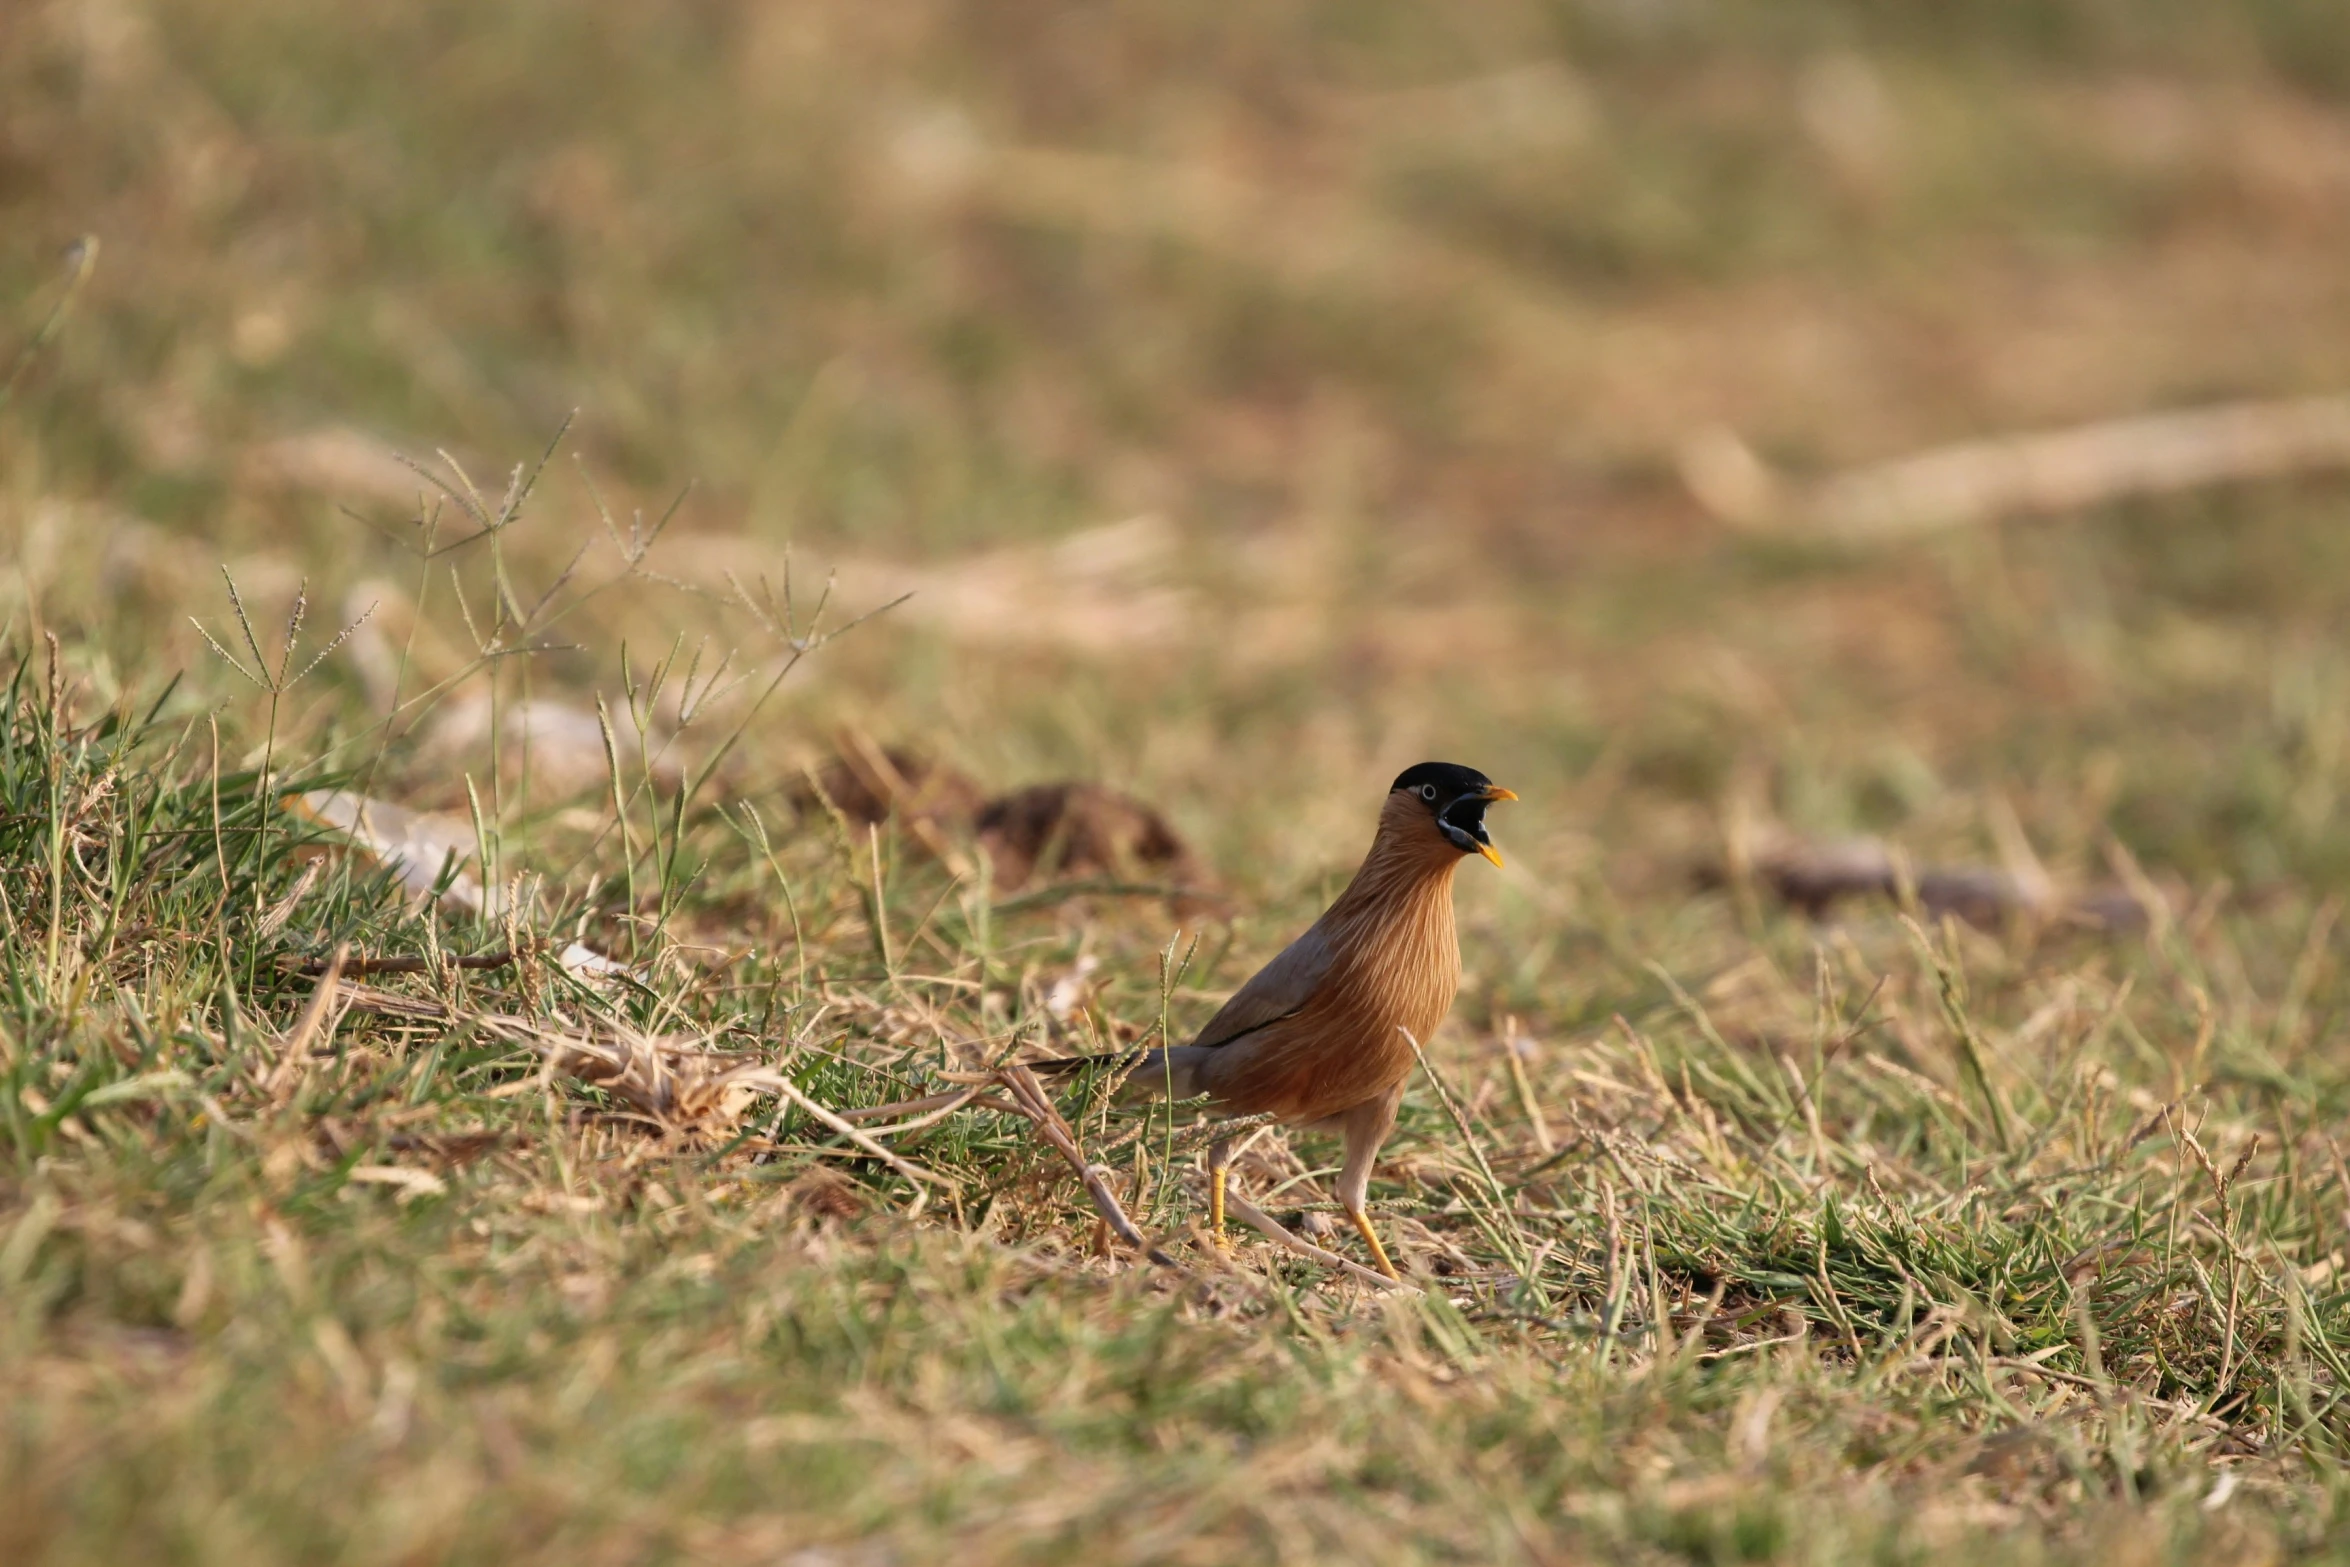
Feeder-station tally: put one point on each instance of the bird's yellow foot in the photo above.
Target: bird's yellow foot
(1371, 1239)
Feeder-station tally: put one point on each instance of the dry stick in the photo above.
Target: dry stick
(951, 1103)
(975, 1098)
(2064, 470)
(1815, 876)
(1026, 1092)
(785, 1088)
(939, 1104)
(2048, 471)
(404, 965)
(1269, 1227)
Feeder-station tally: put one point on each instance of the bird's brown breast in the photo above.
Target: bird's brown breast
(1395, 964)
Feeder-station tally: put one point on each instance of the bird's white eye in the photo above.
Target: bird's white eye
(1428, 792)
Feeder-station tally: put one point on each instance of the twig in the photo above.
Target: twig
(404, 965)
(950, 1101)
(939, 1106)
(1026, 1092)
(784, 1088)
(1812, 876)
(1269, 1227)
(2042, 472)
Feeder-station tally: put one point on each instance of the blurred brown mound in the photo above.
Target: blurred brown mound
(870, 783)
(1813, 877)
(1045, 832)
(1060, 830)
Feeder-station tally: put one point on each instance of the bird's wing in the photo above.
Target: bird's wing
(1280, 988)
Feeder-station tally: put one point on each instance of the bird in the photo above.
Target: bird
(1324, 1036)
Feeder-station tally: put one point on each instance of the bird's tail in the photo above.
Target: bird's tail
(1149, 1073)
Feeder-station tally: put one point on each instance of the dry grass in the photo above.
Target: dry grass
(1256, 405)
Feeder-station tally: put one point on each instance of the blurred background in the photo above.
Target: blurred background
(1255, 399)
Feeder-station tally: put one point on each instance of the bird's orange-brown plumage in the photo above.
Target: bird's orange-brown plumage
(1384, 959)
(1324, 1033)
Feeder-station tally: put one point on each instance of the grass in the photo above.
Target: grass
(1743, 1238)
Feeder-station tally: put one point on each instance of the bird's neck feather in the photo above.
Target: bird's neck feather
(1408, 872)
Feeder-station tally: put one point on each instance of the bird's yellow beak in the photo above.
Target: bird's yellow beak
(1494, 791)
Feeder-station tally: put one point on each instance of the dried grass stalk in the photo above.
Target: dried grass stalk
(1030, 1096)
(686, 1088)
(2025, 475)
(1278, 1233)
(294, 1060)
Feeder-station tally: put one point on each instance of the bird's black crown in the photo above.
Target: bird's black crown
(1450, 780)
(1456, 796)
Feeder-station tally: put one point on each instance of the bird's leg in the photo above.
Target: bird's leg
(1366, 1128)
(1219, 1172)
(1371, 1239)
